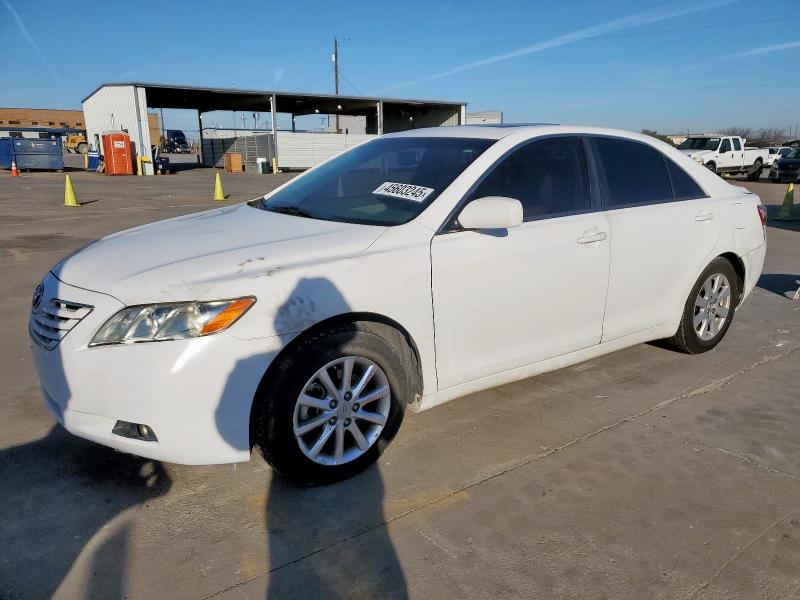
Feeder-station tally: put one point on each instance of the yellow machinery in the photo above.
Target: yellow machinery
(76, 142)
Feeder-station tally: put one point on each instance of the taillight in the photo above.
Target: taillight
(762, 214)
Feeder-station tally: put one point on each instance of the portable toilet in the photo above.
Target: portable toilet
(31, 153)
(117, 153)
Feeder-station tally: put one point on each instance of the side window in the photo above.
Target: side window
(684, 186)
(635, 173)
(725, 147)
(737, 145)
(548, 177)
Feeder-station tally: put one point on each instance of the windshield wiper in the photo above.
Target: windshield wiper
(292, 210)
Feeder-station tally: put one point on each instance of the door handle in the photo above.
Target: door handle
(704, 216)
(594, 237)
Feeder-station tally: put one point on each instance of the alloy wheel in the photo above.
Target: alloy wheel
(711, 307)
(342, 410)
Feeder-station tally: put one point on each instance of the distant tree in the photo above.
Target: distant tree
(658, 136)
(742, 132)
(768, 137)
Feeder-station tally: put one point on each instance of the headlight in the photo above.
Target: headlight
(175, 321)
(699, 159)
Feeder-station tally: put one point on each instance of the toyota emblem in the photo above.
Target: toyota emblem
(37, 296)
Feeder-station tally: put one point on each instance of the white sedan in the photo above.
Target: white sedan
(408, 271)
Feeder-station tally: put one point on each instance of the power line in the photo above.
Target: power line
(341, 75)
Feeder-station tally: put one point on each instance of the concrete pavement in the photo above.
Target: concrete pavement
(640, 474)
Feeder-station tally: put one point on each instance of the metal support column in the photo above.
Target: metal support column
(144, 156)
(380, 117)
(200, 143)
(273, 105)
(462, 116)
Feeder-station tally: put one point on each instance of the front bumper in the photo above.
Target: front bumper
(785, 176)
(194, 394)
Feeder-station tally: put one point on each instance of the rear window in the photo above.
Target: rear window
(684, 186)
(634, 173)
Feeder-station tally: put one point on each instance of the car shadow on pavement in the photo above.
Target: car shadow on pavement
(322, 542)
(783, 284)
(60, 497)
(331, 542)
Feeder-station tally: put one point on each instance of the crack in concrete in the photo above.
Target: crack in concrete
(714, 385)
(743, 458)
(741, 551)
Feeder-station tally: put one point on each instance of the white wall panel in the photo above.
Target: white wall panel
(302, 150)
(113, 108)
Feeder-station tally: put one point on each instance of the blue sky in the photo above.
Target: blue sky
(672, 66)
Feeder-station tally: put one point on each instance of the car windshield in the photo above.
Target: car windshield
(793, 153)
(388, 181)
(699, 144)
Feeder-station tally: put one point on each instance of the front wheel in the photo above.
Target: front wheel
(709, 310)
(711, 167)
(334, 403)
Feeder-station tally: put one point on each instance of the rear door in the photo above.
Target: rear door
(738, 152)
(662, 228)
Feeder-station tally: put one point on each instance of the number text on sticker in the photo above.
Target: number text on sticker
(407, 191)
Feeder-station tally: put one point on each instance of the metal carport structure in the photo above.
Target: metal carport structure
(124, 106)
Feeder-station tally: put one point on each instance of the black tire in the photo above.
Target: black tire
(755, 173)
(273, 411)
(686, 339)
(711, 167)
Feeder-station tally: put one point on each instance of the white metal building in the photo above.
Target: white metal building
(123, 106)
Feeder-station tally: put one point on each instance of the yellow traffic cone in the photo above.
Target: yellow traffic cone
(69, 193)
(218, 193)
(788, 212)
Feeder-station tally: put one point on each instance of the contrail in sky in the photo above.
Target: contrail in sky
(762, 50)
(646, 17)
(24, 31)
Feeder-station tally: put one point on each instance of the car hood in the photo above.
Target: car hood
(790, 164)
(185, 257)
(693, 153)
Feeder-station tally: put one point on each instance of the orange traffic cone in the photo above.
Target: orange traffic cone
(14, 171)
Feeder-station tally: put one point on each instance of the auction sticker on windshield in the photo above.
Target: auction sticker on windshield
(407, 191)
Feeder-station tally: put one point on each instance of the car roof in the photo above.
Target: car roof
(499, 131)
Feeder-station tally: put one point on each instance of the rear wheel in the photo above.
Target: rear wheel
(334, 403)
(709, 310)
(755, 172)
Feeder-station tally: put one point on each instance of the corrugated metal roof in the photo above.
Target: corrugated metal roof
(191, 88)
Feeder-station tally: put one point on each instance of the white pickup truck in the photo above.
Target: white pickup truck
(725, 154)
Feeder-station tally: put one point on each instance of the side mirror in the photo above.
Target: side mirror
(491, 212)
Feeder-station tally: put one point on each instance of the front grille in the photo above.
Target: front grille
(54, 319)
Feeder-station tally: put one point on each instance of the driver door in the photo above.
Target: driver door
(506, 299)
(726, 157)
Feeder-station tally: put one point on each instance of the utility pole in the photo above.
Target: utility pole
(335, 59)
